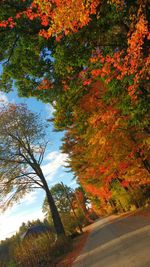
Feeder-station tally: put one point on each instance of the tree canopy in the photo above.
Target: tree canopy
(60, 197)
(22, 148)
(90, 60)
(72, 206)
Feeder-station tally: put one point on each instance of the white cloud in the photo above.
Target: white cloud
(56, 160)
(29, 198)
(10, 222)
(12, 218)
(73, 183)
(50, 110)
(52, 155)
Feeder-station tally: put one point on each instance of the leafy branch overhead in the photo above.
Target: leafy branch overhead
(90, 60)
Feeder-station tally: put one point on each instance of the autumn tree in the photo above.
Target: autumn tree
(64, 197)
(81, 202)
(90, 60)
(24, 54)
(115, 50)
(28, 58)
(22, 148)
(103, 153)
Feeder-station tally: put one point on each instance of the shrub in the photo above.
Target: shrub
(40, 251)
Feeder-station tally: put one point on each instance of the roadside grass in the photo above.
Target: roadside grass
(77, 245)
(45, 251)
(40, 251)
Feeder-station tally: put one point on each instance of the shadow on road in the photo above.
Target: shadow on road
(125, 224)
(118, 241)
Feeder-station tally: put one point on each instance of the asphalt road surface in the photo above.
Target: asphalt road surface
(118, 242)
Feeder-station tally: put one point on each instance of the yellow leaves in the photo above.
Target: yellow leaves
(117, 122)
(94, 120)
(109, 115)
(102, 141)
(136, 173)
(44, 5)
(147, 141)
(119, 3)
(98, 139)
(65, 16)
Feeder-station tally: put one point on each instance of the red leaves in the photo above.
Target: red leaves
(8, 23)
(124, 165)
(123, 64)
(96, 72)
(65, 85)
(87, 82)
(62, 17)
(125, 183)
(101, 192)
(45, 85)
(103, 169)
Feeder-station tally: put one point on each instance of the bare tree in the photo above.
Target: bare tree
(22, 147)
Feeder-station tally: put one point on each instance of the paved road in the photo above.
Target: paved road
(118, 242)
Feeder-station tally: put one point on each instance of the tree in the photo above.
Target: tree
(115, 49)
(64, 198)
(54, 13)
(103, 155)
(24, 54)
(112, 38)
(60, 198)
(81, 201)
(22, 148)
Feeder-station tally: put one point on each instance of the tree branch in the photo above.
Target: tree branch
(42, 154)
(12, 50)
(12, 161)
(35, 181)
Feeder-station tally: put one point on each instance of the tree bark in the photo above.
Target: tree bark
(55, 215)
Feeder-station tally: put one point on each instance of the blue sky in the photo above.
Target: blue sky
(30, 207)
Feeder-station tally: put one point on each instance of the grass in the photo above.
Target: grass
(40, 251)
(77, 245)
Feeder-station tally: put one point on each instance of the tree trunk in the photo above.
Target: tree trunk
(55, 215)
(145, 162)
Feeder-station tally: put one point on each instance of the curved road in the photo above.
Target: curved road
(118, 242)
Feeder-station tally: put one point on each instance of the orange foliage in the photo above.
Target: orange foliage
(45, 85)
(123, 64)
(101, 192)
(107, 150)
(64, 16)
(7, 23)
(57, 17)
(102, 149)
